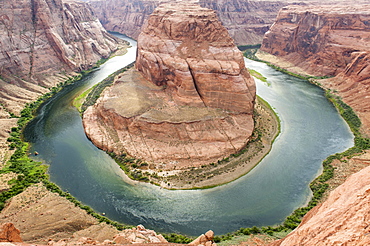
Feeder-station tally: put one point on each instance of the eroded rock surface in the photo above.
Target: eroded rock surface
(43, 216)
(44, 41)
(191, 100)
(8, 233)
(328, 41)
(191, 53)
(343, 219)
(320, 39)
(246, 21)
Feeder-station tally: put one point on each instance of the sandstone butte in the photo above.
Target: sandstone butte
(190, 100)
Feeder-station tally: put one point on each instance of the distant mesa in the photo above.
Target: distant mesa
(188, 102)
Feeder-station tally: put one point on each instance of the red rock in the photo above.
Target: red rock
(43, 42)
(194, 104)
(319, 38)
(328, 41)
(246, 21)
(190, 52)
(8, 233)
(343, 219)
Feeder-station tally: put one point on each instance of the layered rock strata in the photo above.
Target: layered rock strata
(190, 101)
(320, 39)
(246, 21)
(42, 42)
(330, 41)
(327, 41)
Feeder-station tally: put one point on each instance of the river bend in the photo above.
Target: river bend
(311, 131)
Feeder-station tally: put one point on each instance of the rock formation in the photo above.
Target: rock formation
(204, 239)
(322, 41)
(8, 233)
(246, 21)
(42, 42)
(343, 219)
(191, 103)
(319, 39)
(327, 41)
(138, 235)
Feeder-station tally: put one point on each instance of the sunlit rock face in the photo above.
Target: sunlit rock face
(191, 53)
(341, 220)
(246, 21)
(190, 99)
(328, 41)
(42, 42)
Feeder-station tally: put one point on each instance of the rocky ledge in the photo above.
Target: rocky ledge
(188, 103)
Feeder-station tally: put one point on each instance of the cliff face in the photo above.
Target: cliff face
(353, 85)
(331, 40)
(42, 41)
(343, 219)
(194, 57)
(319, 39)
(324, 41)
(191, 100)
(246, 21)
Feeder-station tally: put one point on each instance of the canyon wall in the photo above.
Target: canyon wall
(43, 42)
(327, 41)
(246, 21)
(330, 41)
(189, 103)
(320, 39)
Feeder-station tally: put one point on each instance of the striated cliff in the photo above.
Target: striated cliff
(246, 21)
(327, 41)
(42, 42)
(320, 39)
(190, 101)
(330, 41)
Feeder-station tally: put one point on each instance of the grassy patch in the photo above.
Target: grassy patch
(78, 101)
(258, 75)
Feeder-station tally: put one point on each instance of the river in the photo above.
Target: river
(311, 131)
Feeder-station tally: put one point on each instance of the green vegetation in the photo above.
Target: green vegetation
(78, 101)
(177, 238)
(258, 75)
(129, 165)
(31, 172)
(95, 92)
(250, 53)
(54, 188)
